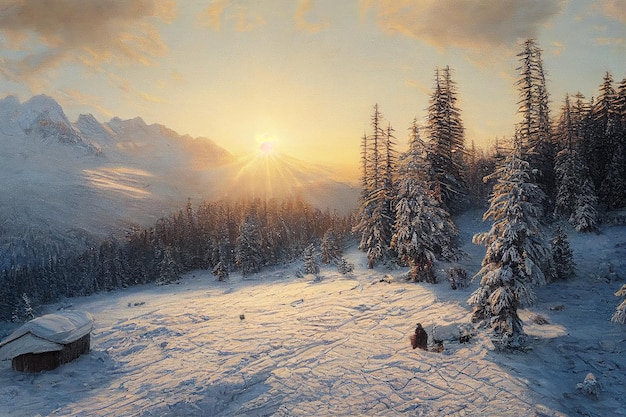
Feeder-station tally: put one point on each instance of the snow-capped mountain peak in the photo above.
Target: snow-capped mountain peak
(89, 126)
(38, 108)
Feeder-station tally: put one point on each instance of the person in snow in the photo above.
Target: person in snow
(420, 338)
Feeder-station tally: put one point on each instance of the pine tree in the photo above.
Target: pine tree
(603, 125)
(249, 244)
(344, 267)
(310, 264)
(516, 252)
(389, 182)
(535, 127)
(479, 166)
(447, 142)
(585, 217)
(331, 246)
(613, 187)
(221, 271)
(374, 221)
(608, 139)
(24, 310)
(620, 312)
(423, 228)
(562, 254)
(566, 174)
(167, 270)
(575, 195)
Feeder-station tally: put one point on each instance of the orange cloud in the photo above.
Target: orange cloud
(74, 97)
(464, 24)
(240, 11)
(304, 7)
(614, 9)
(212, 15)
(557, 48)
(610, 41)
(46, 33)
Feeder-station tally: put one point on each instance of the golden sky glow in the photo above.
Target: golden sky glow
(304, 73)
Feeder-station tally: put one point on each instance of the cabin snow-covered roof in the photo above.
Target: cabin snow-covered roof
(47, 333)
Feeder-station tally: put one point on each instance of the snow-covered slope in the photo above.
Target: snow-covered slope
(65, 184)
(278, 345)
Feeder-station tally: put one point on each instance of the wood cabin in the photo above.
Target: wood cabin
(48, 341)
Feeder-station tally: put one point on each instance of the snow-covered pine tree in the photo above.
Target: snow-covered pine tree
(423, 229)
(566, 174)
(374, 221)
(220, 271)
(389, 182)
(607, 118)
(602, 135)
(249, 244)
(575, 195)
(447, 142)
(24, 311)
(344, 267)
(564, 267)
(516, 252)
(310, 263)
(620, 312)
(167, 269)
(613, 187)
(331, 246)
(479, 165)
(585, 217)
(621, 107)
(535, 127)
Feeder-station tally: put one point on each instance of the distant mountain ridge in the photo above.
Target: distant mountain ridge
(68, 183)
(65, 183)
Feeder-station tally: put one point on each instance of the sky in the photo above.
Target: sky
(302, 75)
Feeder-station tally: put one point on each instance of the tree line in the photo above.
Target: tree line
(222, 236)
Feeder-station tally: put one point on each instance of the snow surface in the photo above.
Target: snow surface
(282, 345)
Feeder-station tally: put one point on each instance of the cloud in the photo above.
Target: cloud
(41, 35)
(72, 97)
(557, 48)
(240, 11)
(464, 24)
(304, 7)
(212, 15)
(179, 77)
(152, 98)
(610, 41)
(613, 9)
(419, 86)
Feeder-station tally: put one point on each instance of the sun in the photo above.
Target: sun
(266, 144)
(267, 147)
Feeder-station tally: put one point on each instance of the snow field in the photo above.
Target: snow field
(338, 346)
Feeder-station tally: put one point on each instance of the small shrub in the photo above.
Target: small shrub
(590, 386)
(344, 267)
(457, 277)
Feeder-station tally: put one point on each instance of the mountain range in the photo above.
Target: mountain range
(66, 183)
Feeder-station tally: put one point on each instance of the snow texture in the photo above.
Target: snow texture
(273, 344)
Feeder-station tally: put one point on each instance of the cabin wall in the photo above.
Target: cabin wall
(37, 362)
